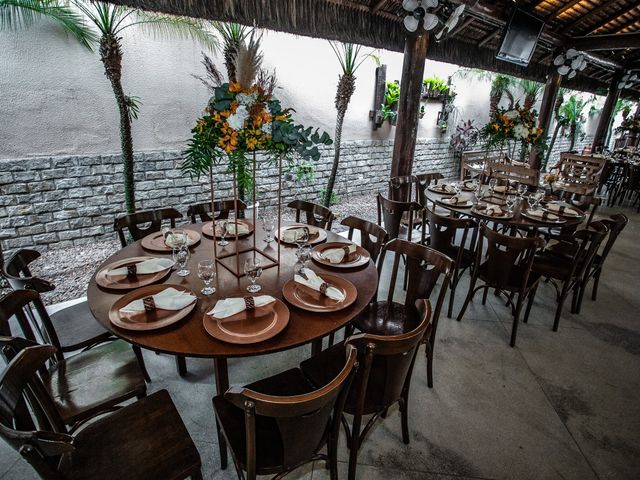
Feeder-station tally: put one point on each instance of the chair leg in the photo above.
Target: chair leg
(467, 300)
(516, 319)
(404, 418)
(563, 297)
(429, 354)
(452, 295)
(181, 365)
(355, 446)
(583, 288)
(596, 282)
(532, 295)
(484, 295)
(138, 353)
(332, 338)
(575, 297)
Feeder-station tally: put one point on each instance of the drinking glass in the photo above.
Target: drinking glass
(181, 257)
(511, 201)
(207, 274)
(302, 237)
(457, 188)
(475, 189)
(268, 225)
(253, 270)
(492, 185)
(223, 234)
(304, 254)
(522, 189)
(534, 200)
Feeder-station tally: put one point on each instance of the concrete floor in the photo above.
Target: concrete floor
(560, 405)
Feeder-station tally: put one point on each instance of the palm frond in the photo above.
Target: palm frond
(213, 77)
(170, 26)
(15, 14)
(349, 56)
(232, 32)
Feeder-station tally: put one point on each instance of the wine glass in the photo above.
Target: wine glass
(223, 242)
(522, 189)
(534, 199)
(302, 237)
(181, 257)
(268, 225)
(511, 201)
(475, 189)
(492, 185)
(457, 188)
(304, 254)
(253, 270)
(207, 274)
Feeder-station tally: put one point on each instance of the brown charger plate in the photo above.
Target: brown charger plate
(155, 241)
(207, 229)
(438, 189)
(556, 221)
(246, 327)
(309, 299)
(357, 259)
(148, 321)
(122, 282)
(576, 213)
(318, 236)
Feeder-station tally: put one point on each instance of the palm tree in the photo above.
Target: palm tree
(349, 57)
(531, 92)
(106, 23)
(560, 122)
(571, 110)
(233, 37)
(499, 87)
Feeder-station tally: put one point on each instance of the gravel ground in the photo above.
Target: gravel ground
(70, 269)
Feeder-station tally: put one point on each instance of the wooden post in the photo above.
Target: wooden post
(606, 116)
(415, 52)
(546, 114)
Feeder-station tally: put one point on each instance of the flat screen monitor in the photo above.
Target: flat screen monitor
(520, 38)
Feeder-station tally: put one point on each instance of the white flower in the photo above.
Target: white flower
(520, 131)
(267, 128)
(246, 99)
(236, 121)
(511, 114)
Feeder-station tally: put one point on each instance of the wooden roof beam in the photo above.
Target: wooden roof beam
(613, 17)
(563, 9)
(628, 24)
(464, 25)
(377, 6)
(606, 42)
(488, 38)
(593, 13)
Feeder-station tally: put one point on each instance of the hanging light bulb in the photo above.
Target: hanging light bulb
(572, 74)
(563, 69)
(411, 23)
(430, 21)
(559, 60)
(410, 5)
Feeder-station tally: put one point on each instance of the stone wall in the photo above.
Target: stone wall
(71, 200)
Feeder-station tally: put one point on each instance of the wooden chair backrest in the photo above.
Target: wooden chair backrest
(133, 221)
(303, 420)
(221, 209)
(423, 181)
(372, 236)
(385, 365)
(391, 214)
(401, 188)
(444, 231)
(16, 271)
(580, 173)
(615, 224)
(315, 214)
(506, 173)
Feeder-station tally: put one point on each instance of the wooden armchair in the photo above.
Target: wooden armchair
(372, 236)
(316, 215)
(133, 223)
(221, 208)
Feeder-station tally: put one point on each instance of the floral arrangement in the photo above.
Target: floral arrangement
(629, 124)
(550, 179)
(242, 120)
(517, 124)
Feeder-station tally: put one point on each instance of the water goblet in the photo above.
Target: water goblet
(522, 189)
(493, 182)
(457, 188)
(268, 225)
(181, 257)
(223, 242)
(302, 237)
(304, 254)
(511, 201)
(207, 274)
(534, 200)
(253, 270)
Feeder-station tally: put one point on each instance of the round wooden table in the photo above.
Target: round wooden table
(517, 221)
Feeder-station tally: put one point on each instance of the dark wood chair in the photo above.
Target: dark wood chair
(511, 174)
(372, 236)
(82, 385)
(424, 267)
(401, 189)
(316, 215)
(567, 262)
(70, 329)
(392, 216)
(423, 182)
(506, 268)
(152, 222)
(222, 208)
(383, 377)
(277, 424)
(449, 235)
(141, 224)
(144, 440)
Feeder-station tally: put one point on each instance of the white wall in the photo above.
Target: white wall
(55, 99)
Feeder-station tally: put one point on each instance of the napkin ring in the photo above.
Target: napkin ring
(149, 304)
(132, 271)
(323, 288)
(346, 251)
(249, 303)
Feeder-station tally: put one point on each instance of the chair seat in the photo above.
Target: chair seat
(77, 328)
(552, 266)
(87, 383)
(514, 282)
(269, 448)
(386, 318)
(144, 440)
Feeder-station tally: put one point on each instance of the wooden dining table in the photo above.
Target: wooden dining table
(189, 338)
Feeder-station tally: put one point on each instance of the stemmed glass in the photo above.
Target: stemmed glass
(457, 188)
(181, 257)
(492, 185)
(511, 201)
(522, 189)
(207, 274)
(303, 254)
(253, 270)
(223, 242)
(534, 199)
(302, 237)
(268, 225)
(475, 189)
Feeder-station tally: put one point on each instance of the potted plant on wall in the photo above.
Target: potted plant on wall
(434, 88)
(389, 108)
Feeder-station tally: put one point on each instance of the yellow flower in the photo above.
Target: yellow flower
(251, 143)
(235, 87)
(282, 118)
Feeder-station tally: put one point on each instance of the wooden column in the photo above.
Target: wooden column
(546, 113)
(606, 116)
(415, 52)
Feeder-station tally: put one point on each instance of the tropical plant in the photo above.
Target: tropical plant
(518, 125)
(560, 123)
(571, 111)
(465, 135)
(388, 113)
(233, 37)
(392, 95)
(435, 84)
(499, 87)
(350, 59)
(531, 92)
(100, 24)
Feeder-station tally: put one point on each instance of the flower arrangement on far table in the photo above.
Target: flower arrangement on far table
(241, 121)
(518, 124)
(550, 179)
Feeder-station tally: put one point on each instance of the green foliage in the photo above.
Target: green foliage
(388, 113)
(305, 172)
(334, 197)
(435, 84)
(133, 106)
(349, 56)
(392, 95)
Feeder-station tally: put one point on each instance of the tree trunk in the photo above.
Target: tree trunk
(111, 57)
(553, 141)
(326, 201)
(572, 136)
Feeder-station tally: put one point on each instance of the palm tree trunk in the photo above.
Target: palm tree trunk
(111, 57)
(326, 201)
(553, 141)
(572, 135)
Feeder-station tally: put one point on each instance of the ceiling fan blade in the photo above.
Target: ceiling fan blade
(452, 22)
(411, 23)
(583, 65)
(410, 5)
(559, 60)
(458, 11)
(572, 52)
(572, 74)
(430, 21)
(620, 85)
(563, 69)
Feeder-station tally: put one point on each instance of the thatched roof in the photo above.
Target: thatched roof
(377, 23)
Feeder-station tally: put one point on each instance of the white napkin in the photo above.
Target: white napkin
(493, 210)
(556, 207)
(243, 228)
(230, 306)
(336, 255)
(539, 213)
(446, 188)
(152, 265)
(292, 234)
(172, 241)
(314, 281)
(167, 299)
(500, 189)
(455, 200)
